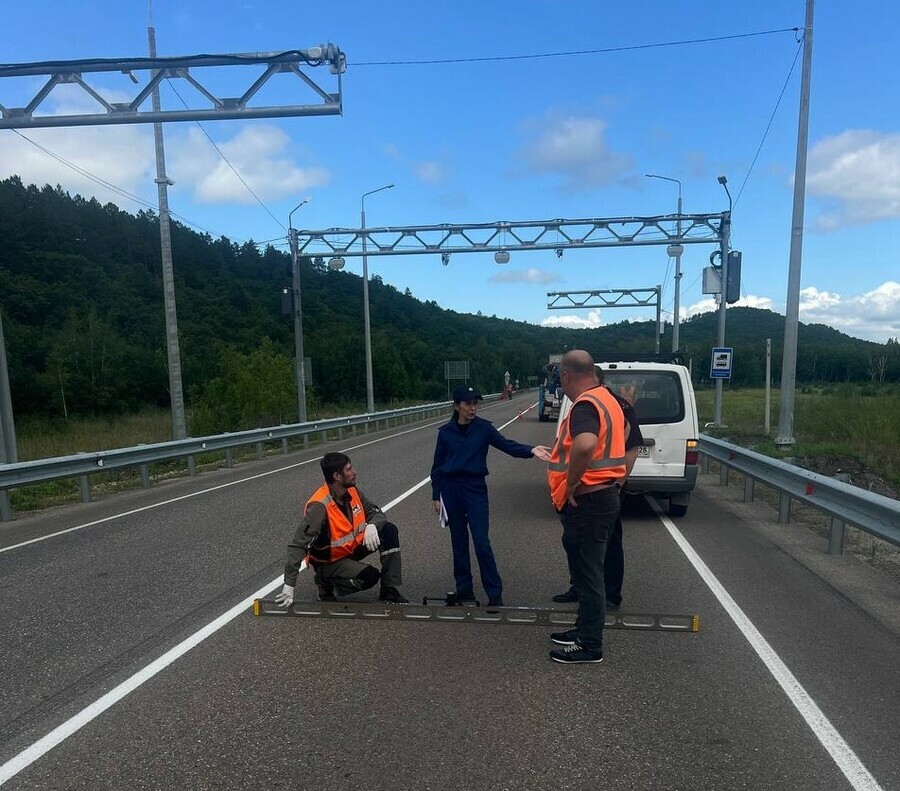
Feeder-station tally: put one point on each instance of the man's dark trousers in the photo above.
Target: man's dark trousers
(586, 530)
(466, 500)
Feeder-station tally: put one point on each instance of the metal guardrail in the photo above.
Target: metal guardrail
(82, 465)
(845, 504)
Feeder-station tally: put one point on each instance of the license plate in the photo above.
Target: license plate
(643, 452)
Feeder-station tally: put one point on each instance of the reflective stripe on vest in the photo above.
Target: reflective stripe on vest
(608, 462)
(343, 536)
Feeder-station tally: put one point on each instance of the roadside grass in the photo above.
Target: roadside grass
(859, 422)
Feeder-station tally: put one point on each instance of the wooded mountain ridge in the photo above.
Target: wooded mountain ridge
(83, 317)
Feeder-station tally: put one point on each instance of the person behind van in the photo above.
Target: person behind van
(586, 466)
(614, 562)
(458, 479)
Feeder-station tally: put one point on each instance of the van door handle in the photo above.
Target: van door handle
(649, 442)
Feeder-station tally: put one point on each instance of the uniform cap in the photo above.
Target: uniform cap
(463, 393)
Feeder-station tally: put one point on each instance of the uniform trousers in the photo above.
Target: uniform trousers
(466, 500)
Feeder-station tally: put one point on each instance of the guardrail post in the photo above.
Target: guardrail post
(192, 466)
(704, 464)
(340, 432)
(85, 488)
(749, 485)
(723, 474)
(259, 451)
(229, 457)
(145, 476)
(6, 513)
(324, 437)
(284, 446)
(784, 508)
(836, 537)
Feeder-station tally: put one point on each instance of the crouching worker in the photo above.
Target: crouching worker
(340, 527)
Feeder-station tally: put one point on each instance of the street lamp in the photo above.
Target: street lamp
(675, 250)
(299, 368)
(370, 390)
(726, 235)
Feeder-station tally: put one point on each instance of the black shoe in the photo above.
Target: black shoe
(610, 607)
(392, 595)
(569, 637)
(325, 592)
(576, 655)
(566, 598)
(495, 601)
(465, 596)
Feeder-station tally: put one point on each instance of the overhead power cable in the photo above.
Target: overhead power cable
(574, 53)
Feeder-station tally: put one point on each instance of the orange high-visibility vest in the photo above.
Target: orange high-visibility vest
(608, 463)
(343, 536)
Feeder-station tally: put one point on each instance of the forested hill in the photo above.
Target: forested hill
(83, 316)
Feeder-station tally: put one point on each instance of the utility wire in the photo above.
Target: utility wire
(115, 189)
(771, 119)
(577, 52)
(226, 160)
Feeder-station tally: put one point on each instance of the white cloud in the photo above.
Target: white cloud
(857, 173)
(591, 321)
(531, 275)
(257, 152)
(576, 149)
(392, 151)
(430, 172)
(873, 316)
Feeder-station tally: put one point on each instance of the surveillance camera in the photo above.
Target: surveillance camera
(445, 258)
(722, 180)
(559, 252)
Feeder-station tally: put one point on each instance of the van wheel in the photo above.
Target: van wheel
(676, 510)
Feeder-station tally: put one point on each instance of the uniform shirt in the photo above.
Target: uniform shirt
(462, 450)
(586, 420)
(315, 524)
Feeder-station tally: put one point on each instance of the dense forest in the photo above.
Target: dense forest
(83, 317)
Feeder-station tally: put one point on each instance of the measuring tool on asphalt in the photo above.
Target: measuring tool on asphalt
(467, 613)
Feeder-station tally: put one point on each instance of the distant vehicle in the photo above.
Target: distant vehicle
(663, 398)
(550, 393)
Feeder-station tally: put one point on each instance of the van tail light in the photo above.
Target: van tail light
(692, 452)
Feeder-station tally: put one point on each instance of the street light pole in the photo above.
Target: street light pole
(726, 241)
(675, 250)
(370, 386)
(299, 368)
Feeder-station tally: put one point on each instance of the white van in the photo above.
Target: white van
(663, 398)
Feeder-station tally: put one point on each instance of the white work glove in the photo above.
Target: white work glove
(371, 539)
(286, 597)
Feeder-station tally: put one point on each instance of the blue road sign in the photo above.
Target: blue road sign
(720, 366)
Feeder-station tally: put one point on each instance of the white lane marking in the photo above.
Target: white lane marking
(197, 493)
(841, 753)
(46, 743)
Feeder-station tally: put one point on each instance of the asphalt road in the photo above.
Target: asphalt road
(792, 681)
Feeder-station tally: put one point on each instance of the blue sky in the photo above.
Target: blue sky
(555, 137)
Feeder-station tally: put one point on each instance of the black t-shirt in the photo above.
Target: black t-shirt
(586, 420)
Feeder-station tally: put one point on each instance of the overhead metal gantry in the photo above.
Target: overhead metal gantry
(506, 236)
(216, 108)
(618, 298)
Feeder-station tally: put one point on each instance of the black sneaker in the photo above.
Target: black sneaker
(566, 598)
(569, 637)
(610, 607)
(465, 596)
(393, 596)
(325, 592)
(576, 655)
(495, 601)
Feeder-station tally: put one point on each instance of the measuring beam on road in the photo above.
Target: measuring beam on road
(509, 616)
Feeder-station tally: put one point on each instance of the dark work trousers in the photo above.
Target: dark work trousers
(344, 574)
(586, 530)
(613, 564)
(466, 500)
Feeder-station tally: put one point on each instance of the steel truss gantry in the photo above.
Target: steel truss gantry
(182, 68)
(506, 236)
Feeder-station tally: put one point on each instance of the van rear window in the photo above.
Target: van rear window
(655, 395)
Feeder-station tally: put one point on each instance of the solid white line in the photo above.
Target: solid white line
(841, 753)
(46, 743)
